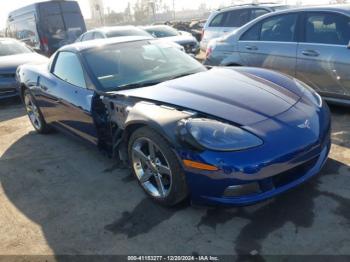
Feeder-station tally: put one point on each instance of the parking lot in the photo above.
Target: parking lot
(60, 196)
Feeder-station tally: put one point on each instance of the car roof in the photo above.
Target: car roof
(156, 26)
(107, 29)
(342, 8)
(91, 44)
(236, 7)
(32, 7)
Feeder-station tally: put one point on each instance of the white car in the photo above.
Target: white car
(225, 20)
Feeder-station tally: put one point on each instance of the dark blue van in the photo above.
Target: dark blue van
(46, 26)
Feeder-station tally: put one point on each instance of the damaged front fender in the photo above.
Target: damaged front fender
(126, 115)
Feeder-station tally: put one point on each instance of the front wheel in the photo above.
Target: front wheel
(34, 113)
(156, 167)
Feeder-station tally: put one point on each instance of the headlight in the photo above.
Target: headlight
(218, 136)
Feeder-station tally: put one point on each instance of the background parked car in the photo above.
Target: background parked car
(12, 54)
(311, 44)
(183, 38)
(112, 31)
(46, 26)
(225, 20)
(119, 31)
(194, 27)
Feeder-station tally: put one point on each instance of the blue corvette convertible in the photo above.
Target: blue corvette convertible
(231, 136)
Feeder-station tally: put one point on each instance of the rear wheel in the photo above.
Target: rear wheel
(156, 167)
(34, 113)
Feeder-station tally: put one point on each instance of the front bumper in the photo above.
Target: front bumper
(8, 88)
(247, 177)
(267, 186)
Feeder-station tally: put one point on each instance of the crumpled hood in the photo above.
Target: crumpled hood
(11, 62)
(226, 93)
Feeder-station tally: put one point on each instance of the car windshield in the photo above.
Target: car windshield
(162, 31)
(127, 32)
(138, 64)
(10, 47)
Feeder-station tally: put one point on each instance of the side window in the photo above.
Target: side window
(98, 35)
(68, 68)
(218, 20)
(87, 36)
(54, 27)
(26, 31)
(74, 26)
(252, 34)
(237, 18)
(327, 28)
(258, 12)
(279, 28)
(48, 9)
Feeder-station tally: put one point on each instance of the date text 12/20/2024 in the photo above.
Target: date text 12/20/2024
(173, 258)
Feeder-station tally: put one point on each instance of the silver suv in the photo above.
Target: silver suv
(311, 44)
(225, 20)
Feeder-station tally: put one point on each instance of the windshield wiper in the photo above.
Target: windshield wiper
(150, 83)
(137, 85)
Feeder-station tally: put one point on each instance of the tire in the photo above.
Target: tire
(34, 113)
(164, 166)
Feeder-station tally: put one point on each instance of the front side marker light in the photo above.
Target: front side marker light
(198, 165)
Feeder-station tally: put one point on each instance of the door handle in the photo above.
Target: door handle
(251, 47)
(310, 53)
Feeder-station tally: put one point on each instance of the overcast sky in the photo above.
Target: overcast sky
(119, 5)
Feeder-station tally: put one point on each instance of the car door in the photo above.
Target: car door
(271, 43)
(323, 59)
(73, 98)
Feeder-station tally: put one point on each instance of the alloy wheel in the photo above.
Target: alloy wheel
(32, 111)
(151, 167)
